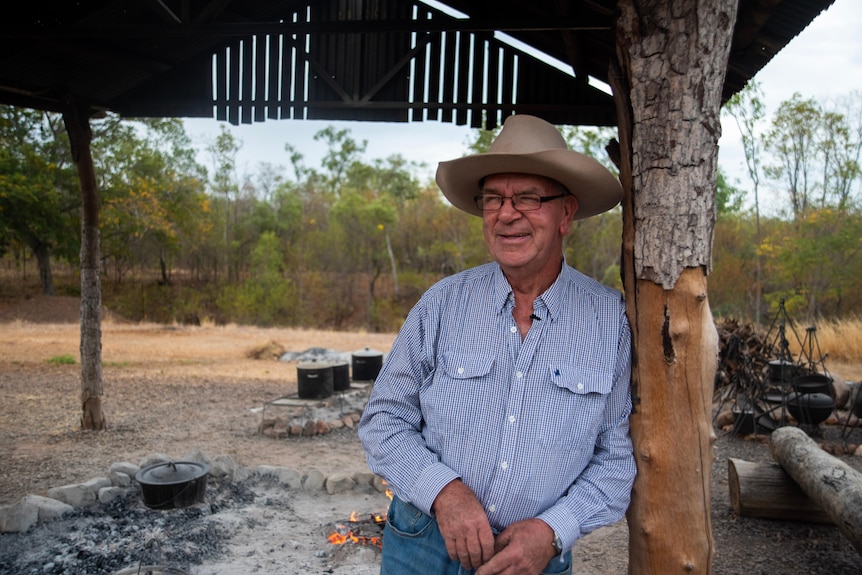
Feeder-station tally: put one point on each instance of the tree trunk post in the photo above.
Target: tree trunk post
(77, 122)
(667, 85)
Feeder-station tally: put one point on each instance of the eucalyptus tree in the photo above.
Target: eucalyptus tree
(39, 199)
(153, 193)
(747, 109)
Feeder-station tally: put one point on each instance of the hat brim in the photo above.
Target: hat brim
(595, 187)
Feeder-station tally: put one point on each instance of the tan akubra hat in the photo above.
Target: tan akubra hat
(530, 145)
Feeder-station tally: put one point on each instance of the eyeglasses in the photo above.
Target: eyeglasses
(521, 202)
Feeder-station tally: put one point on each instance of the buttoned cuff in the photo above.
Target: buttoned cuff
(561, 521)
(431, 482)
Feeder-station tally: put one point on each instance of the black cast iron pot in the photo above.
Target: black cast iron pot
(314, 380)
(813, 383)
(366, 364)
(810, 408)
(173, 484)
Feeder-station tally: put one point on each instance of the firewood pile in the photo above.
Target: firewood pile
(744, 356)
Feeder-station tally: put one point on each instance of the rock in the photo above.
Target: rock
(380, 484)
(129, 469)
(336, 424)
(48, 508)
(98, 483)
(309, 428)
(222, 466)
(364, 478)
(285, 475)
(241, 473)
(840, 389)
(724, 418)
(18, 517)
(295, 430)
(858, 452)
(348, 421)
(197, 456)
(321, 427)
(314, 481)
(119, 479)
(339, 483)
(108, 494)
(76, 495)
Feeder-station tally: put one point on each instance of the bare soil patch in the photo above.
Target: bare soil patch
(170, 389)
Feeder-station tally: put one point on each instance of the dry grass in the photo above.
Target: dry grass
(840, 340)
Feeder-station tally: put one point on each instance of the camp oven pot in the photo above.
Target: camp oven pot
(314, 379)
(813, 383)
(810, 408)
(366, 364)
(340, 376)
(173, 484)
(781, 370)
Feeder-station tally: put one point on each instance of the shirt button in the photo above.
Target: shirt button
(460, 371)
(504, 465)
(513, 329)
(580, 386)
(492, 508)
(511, 419)
(519, 375)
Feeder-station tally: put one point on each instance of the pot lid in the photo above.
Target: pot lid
(367, 352)
(171, 472)
(313, 364)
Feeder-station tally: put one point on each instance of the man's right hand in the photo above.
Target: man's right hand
(464, 525)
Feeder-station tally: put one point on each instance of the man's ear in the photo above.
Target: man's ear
(570, 209)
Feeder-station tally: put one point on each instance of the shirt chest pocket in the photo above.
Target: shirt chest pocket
(454, 391)
(463, 367)
(574, 414)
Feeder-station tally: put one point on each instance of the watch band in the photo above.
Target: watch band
(558, 544)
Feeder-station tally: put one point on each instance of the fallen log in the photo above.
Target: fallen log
(765, 491)
(832, 484)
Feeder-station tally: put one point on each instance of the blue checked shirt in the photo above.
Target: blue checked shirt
(536, 428)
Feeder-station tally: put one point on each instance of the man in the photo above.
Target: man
(500, 417)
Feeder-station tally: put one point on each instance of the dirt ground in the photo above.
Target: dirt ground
(168, 389)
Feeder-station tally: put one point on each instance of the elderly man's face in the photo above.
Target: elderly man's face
(528, 242)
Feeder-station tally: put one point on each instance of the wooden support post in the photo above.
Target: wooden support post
(76, 118)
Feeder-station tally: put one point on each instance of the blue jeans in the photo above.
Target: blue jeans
(413, 545)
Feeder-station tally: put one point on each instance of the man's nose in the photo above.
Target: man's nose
(508, 208)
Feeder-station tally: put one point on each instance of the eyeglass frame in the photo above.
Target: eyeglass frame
(542, 199)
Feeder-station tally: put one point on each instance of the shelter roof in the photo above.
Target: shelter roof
(371, 60)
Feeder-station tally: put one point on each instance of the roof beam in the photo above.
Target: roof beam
(121, 31)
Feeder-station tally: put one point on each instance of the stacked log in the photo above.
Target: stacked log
(829, 482)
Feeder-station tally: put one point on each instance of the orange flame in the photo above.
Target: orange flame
(339, 537)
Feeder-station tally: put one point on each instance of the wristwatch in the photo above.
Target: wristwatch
(558, 544)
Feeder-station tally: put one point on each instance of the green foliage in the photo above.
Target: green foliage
(266, 298)
(65, 359)
(352, 244)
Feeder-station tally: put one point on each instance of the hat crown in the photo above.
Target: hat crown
(523, 134)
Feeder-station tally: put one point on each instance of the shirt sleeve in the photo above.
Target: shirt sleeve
(392, 423)
(601, 493)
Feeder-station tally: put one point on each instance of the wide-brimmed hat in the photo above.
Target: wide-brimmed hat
(530, 145)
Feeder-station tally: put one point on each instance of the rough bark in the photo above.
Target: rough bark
(78, 127)
(765, 491)
(667, 84)
(832, 484)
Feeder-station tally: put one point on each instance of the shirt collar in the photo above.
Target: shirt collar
(553, 297)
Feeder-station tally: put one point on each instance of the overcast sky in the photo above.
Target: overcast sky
(823, 62)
